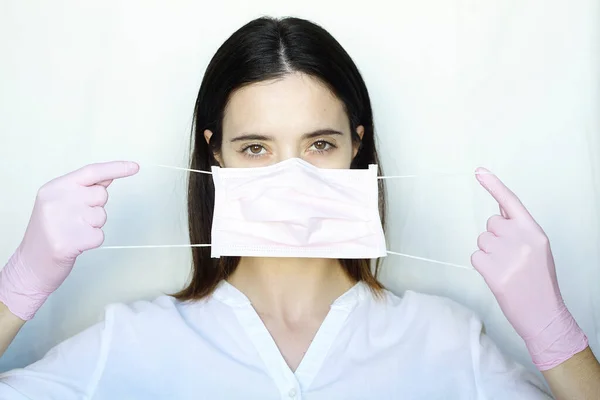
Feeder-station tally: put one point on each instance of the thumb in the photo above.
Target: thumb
(106, 183)
(480, 261)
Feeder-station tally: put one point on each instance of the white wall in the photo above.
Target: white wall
(511, 85)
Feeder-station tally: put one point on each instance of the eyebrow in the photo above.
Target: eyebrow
(310, 135)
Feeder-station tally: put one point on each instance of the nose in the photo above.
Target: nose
(287, 151)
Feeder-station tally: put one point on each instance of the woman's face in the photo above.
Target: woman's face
(295, 116)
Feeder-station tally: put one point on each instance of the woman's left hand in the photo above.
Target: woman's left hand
(517, 264)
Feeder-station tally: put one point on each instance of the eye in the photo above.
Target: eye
(321, 146)
(253, 150)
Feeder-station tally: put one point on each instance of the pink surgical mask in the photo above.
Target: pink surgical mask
(294, 209)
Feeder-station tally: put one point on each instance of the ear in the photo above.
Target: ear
(207, 135)
(360, 131)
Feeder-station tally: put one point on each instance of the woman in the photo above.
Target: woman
(286, 327)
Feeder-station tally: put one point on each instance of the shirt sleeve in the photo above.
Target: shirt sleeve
(69, 371)
(499, 378)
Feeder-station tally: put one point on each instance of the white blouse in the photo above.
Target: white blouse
(415, 347)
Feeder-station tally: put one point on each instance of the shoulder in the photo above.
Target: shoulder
(159, 313)
(429, 302)
(430, 312)
(443, 308)
(162, 305)
(454, 335)
(426, 323)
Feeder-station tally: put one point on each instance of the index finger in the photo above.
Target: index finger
(508, 201)
(93, 174)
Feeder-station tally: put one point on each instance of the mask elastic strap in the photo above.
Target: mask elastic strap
(183, 169)
(434, 175)
(379, 177)
(429, 260)
(154, 246)
(158, 246)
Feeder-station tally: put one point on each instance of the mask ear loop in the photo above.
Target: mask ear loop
(164, 246)
(183, 169)
(154, 246)
(434, 175)
(431, 176)
(379, 177)
(429, 260)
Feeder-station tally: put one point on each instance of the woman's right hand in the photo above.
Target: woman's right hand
(66, 221)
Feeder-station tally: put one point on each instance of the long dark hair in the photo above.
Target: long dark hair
(265, 49)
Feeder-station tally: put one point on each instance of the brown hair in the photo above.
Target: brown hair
(261, 50)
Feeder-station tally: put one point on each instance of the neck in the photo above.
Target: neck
(290, 288)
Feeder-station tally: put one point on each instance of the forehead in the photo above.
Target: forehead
(293, 104)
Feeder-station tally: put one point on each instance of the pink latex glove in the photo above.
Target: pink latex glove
(67, 218)
(516, 262)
